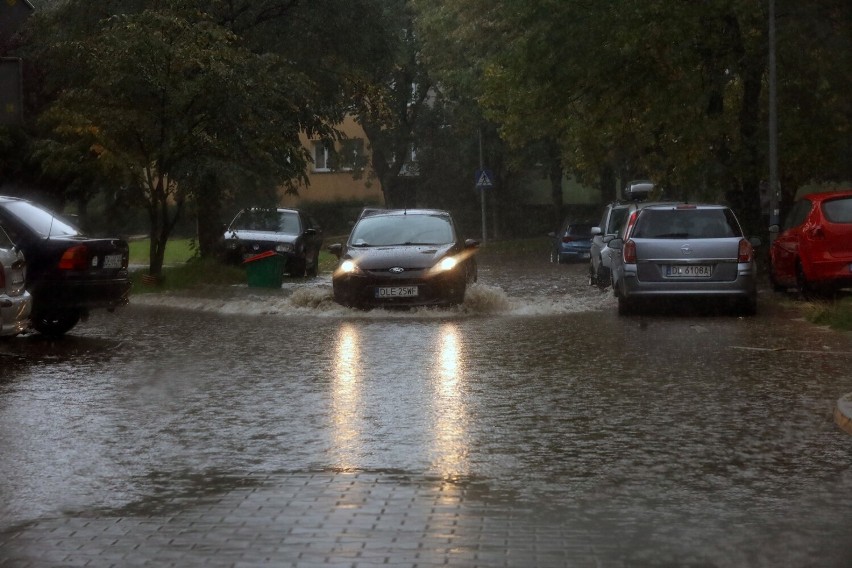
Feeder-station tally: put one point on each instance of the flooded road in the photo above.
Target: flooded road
(669, 439)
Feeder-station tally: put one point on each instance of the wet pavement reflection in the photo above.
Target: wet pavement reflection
(658, 439)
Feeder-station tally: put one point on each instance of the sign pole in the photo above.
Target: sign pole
(482, 191)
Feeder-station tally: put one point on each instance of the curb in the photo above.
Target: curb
(843, 413)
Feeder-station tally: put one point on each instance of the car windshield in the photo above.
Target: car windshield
(408, 229)
(267, 220)
(42, 222)
(685, 224)
(838, 210)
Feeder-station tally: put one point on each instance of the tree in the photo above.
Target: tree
(192, 99)
(675, 92)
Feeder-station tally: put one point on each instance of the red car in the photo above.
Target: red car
(814, 251)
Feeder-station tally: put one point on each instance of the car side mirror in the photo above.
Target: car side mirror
(774, 229)
(755, 241)
(471, 243)
(336, 249)
(596, 231)
(551, 234)
(311, 232)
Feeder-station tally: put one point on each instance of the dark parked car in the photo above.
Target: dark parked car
(684, 251)
(15, 302)
(401, 257)
(68, 273)
(814, 252)
(571, 242)
(288, 232)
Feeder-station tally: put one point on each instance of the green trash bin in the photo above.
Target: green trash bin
(265, 270)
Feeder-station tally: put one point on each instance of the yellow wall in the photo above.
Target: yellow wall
(340, 185)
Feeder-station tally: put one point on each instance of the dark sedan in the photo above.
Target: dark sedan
(288, 232)
(68, 273)
(403, 258)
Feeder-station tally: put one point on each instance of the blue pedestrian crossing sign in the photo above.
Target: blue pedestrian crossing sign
(484, 179)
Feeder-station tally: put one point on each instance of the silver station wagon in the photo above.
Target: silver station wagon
(684, 251)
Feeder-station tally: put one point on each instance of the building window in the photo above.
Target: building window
(322, 156)
(352, 154)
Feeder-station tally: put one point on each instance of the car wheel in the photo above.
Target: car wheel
(297, 267)
(776, 287)
(55, 323)
(603, 277)
(748, 307)
(806, 289)
(314, 268)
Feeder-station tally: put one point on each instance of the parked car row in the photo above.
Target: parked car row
(649, 250)
(52, 274)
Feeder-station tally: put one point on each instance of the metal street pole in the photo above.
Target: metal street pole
(482, 191)
(774, 207)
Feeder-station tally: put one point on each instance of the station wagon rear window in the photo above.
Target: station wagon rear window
(686, 224)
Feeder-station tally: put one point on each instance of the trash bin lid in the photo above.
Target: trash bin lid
(261, 256)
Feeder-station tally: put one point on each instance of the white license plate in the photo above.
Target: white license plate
(689, 271)
(397, 292)
(112, 261)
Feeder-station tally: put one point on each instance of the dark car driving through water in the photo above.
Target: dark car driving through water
(399, 257)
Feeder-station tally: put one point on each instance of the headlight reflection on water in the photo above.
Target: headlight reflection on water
(450, 428)
(346, 396)
(425, 403)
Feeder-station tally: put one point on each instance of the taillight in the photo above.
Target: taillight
(745, 252)
(567, 239)
(630, 222)
(629, 253)
(75, 258)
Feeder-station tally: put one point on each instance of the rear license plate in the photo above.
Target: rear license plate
(397, 292)
(689, 271)
(112, 261)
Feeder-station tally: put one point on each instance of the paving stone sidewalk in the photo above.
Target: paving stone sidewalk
(304, 520)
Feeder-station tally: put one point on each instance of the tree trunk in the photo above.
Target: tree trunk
(208, 215)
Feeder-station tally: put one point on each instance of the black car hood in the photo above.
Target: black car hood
(406, 256)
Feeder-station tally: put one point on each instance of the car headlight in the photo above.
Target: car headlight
(447, 263)
(284, 247)
(349, 267)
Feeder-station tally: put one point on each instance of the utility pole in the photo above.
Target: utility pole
(774, 206)
(482, 190)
